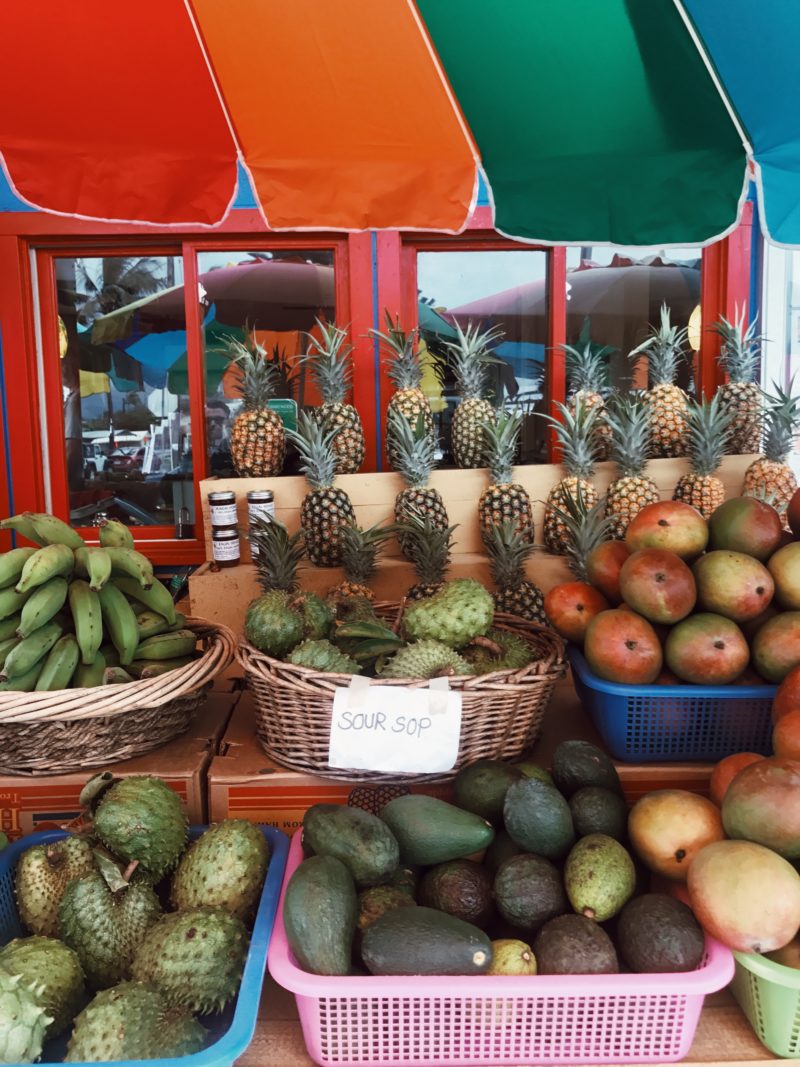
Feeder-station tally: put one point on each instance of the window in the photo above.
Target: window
(780, 324)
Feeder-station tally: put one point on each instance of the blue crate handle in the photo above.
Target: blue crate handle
(234, 1042)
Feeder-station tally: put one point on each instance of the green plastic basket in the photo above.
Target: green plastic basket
(769, 995)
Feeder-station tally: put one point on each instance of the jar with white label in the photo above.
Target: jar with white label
(222, 506)
(225, 546)
(260, 505)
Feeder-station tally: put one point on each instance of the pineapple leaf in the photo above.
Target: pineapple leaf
(279, 553)
(587, 527)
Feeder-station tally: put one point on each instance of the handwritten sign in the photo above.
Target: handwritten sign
(392, 728)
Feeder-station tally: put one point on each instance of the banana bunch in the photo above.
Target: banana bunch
(75, 615)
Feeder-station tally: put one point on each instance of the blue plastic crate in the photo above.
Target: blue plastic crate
(675, 723)
(231, 1031)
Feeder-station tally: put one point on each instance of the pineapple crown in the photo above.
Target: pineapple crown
(740, 350)
(314, 439)
(709, 433)
(587, 527)
(782, 418)
(405, 369)
(260, 374)
(500, 438)
(360, 548)
(427, 546)
(330, 363)
(576, 431)
(629, 421)
(469, 357)
(509, 549)
(413, 450)
(587, 367)
(279, 553)
(665, 350)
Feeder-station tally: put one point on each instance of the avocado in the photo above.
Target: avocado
(599, 876)
(572, 944)
(432, 831)
(362, 841)
(500, 850)
(425, 941)
(511, 956)
(461, 888)
(538, 818)
(658, 934)
(405, 878)
(373, 902)
(319, 913)
(532, 770)
(481, 787)
(528, 891)
(579, 763)
(596, 810)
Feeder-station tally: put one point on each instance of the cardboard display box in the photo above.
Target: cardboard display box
(46, 802)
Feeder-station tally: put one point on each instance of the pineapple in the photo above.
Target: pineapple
(331, 369)
(708, 438)
(739, 357)
(258, 440)
(279, 554)
(468, 358)
(576, 437)
(428, 546)
(771, 476)
(667, 403)
(629, 422)
(414, 457)
(587, 377)
(360, 550)
(405, 370)
(325, 510)
(587, 526)
(504, 498)
(509, 548)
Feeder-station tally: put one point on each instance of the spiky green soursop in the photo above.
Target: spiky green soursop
(132, 1021)
(104, 928)
(323, 656)
(47, 963)
(23, 1020)
(224, 868)
(460, 610)
(42, 875)
(195, 957)
(425, 659)
(317, 616)
(514, 653)
(140, 818)
(272, 625)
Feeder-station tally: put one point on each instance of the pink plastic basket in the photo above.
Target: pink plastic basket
(425, 1022)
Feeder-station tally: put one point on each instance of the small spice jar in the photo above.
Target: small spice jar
(222, 506)
(260, 505)
(225, 546)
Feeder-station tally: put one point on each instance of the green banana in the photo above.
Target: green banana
(45, 564)
(167, 646)
(116, 676)
(129, 562)
(11, 564)
(23, 683)
(55, 531)
(157, 597)
(60, 664)
(87, 676)
(30, 650)
(120, 621)
(43, 603)
(94, 564)
(144, 668)
(11, 602)
(110, 655)
(151, 623)
(115, 534)
(9, 626)
(22, 525)
(6, 646)
(84, 604)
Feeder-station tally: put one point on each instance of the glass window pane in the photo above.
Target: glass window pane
(505, 289)
(122, 341)
(268, 298)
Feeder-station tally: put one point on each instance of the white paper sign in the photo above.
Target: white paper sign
(392, 728)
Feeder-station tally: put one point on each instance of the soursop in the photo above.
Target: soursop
(105, 928)
(132, 1021)
(272, 625)
(225, 868)
(323, 656)
(140, 818)
(23, 1020)
(425, 659)
(317, 616)
(42, 875)
(460, 610)
(513, 652)
(195, 957)
(54, 969)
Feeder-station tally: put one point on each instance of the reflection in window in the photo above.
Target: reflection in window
(503, 289)
(269, 299)
(122, 342)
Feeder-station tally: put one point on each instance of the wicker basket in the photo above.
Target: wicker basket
(72, 729)
(501, 717)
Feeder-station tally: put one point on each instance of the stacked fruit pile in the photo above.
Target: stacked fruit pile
(81, 616)
(105, 957)
(683, 599)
